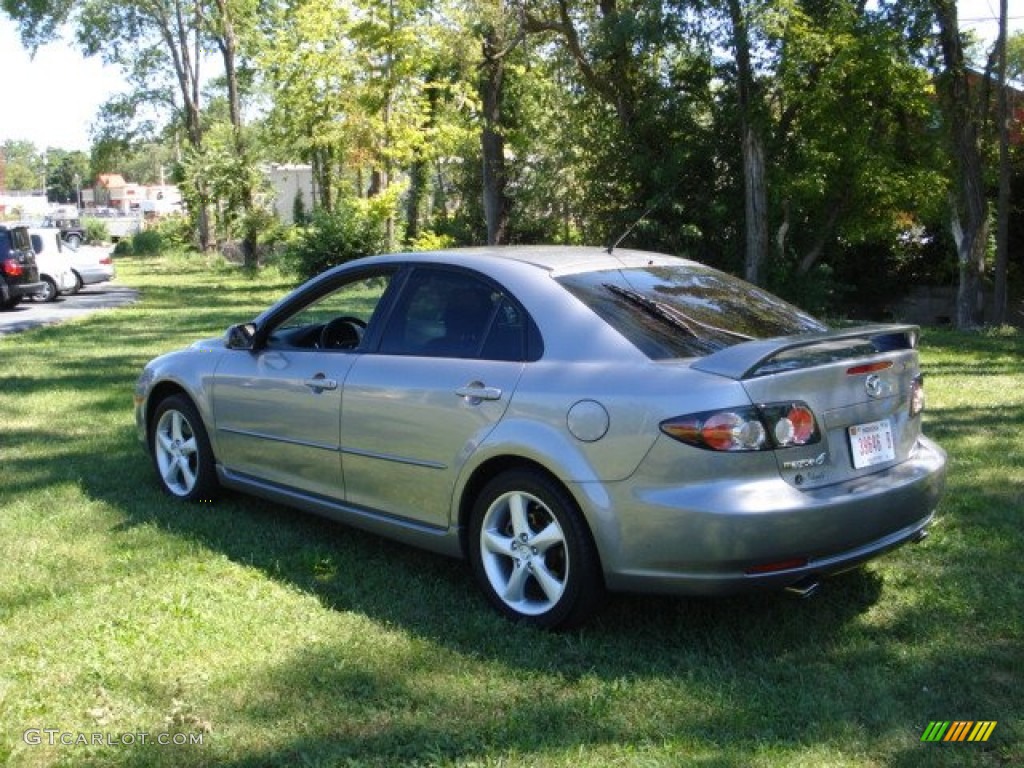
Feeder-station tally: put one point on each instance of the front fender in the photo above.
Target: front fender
(190, 370)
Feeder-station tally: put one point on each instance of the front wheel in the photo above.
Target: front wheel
(181, 451)
(532, 553)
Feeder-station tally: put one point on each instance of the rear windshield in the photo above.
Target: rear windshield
(686, 310)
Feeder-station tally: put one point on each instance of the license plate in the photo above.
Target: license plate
(872, 444)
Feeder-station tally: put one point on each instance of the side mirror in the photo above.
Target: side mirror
(37, 243)
(241, 336)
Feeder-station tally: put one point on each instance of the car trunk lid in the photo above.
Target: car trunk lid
(860, 384)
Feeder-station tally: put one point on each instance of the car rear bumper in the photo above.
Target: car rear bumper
(26, 290)
(723, 537)
(94, 276)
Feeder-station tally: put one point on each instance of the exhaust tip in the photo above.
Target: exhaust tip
(804, 589)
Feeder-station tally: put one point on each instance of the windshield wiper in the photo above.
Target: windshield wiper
(674, 315)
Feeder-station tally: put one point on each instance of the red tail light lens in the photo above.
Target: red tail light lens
(760, 428)
(13, 268)
(729, 431)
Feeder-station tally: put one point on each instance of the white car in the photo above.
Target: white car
(55, 270)
(91, 264)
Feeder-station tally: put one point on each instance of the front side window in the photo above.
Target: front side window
(335, 320)
(686, 310)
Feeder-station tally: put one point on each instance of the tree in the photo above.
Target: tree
(969, 209)
(67, 172)
(24, 166)
(999, 299)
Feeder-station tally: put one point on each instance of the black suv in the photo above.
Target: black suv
(19, 276)
(71, 230)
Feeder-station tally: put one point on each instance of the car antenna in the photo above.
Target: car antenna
(633, 226)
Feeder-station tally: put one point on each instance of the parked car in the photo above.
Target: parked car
(92, 265)
(71, 230)
(19, 275)
(55, 270)
(567, 419)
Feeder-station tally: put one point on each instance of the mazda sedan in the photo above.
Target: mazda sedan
(570, 420)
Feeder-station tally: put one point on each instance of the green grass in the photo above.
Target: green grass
(283, 639)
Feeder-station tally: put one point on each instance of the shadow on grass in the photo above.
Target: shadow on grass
(744, 671)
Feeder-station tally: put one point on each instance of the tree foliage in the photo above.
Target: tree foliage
(805, 143)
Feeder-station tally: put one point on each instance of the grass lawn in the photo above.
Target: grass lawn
(281, 639)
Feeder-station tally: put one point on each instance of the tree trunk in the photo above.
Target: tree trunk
(227, 41)
(969, 220)
(755, 184)
(492, 83)
(1000, 299)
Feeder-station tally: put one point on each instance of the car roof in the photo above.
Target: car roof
(555, 259)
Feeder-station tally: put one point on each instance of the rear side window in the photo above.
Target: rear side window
(451, 313)
(20, 239)
(686, 310)
(5, 243)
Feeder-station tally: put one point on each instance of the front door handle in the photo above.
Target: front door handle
(320, 382)
(476, 391)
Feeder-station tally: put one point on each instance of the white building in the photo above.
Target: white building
(290, 183)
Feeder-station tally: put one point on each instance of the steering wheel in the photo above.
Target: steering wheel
(343, 332)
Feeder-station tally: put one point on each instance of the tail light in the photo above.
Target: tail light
(106, 261)
(917, 398)
(12, 268)
(751, 428)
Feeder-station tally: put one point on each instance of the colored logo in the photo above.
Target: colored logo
(958, 730)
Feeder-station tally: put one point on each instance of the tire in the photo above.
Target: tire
(50, 293)
(74, 242)
(78, 283)
(532, 553)
(181, 451)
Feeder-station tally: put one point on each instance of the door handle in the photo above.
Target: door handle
(476, 391)
(320, 382)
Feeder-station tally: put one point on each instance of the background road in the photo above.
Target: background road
(32, 314)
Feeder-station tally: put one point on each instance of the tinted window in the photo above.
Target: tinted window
(19, 239)
(685, 311)
(448, 313)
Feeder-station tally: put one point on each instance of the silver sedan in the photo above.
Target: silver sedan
(570, 420)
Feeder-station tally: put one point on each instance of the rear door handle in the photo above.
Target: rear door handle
(320, 382)
(476, 391)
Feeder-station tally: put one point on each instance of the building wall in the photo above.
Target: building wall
(288, 183)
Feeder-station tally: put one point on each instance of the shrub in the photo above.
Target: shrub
(96, 231)
(431, 241)
(123, 247)
(175, 230)
(149, 242)
(354, 230)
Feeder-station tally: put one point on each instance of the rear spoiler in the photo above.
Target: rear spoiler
(765, 356)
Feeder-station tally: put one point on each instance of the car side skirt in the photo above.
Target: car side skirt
(444, 541)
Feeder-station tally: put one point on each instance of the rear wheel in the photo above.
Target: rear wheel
(181, 451)
(531, 551)
(50, 291)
